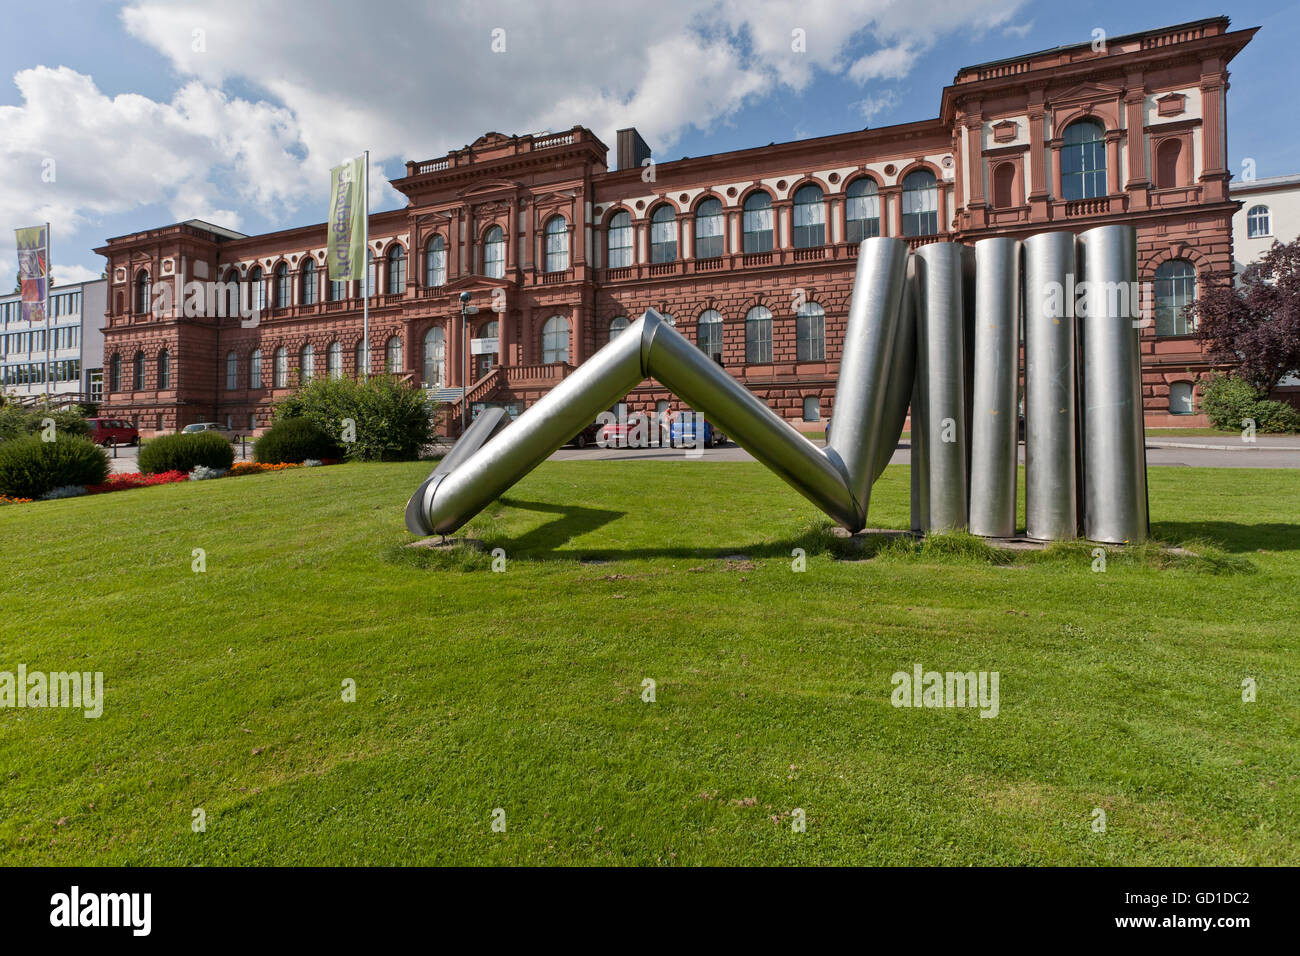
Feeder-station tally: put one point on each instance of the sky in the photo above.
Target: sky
(116, 117)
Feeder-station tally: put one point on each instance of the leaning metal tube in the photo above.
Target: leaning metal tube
(902, 374)
(867, 362)
(1050, 484)
(995, 388)
(939, 417)
(1113, 442)
(559, 415)
(689, 373)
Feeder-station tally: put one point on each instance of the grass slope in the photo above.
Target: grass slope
(522, 689)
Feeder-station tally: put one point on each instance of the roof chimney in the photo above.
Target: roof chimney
(632, 149)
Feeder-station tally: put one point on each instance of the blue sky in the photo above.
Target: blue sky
(161, 110)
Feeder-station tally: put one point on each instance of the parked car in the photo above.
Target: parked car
(682, 432)
(112, 431)
(615, 435)
(587, 436)
(200, 427)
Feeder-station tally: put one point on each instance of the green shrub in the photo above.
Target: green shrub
(390, 418)
(1228, 401)
(29, 467)
(17, 421)
(295, 440)
(185, 452)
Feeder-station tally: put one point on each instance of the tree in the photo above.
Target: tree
(1254, 326)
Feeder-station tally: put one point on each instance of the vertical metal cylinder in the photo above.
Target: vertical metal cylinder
(940, 428)
(868, 361)
(1113, 442)
(1050, 486)
(995, 388)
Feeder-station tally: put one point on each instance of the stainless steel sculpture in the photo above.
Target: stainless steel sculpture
(995, 389)
(1050, 481)
(1113, 443)
(938, 329)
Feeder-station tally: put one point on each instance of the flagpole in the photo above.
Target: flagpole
(365, 284)
(49, 287)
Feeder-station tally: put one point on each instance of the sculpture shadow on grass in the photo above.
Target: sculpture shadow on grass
(1232, 536)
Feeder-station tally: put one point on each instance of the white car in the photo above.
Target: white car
(200, 427)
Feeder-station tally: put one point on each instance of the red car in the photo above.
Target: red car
(112, 431)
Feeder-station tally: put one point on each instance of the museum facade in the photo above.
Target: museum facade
(751, 253)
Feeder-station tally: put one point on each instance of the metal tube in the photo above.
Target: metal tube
(901, 377)
(559, 415)
(867, 363)
(691, 375)
(995, 388)
(939, 411)
(1113, 442)
(1050, 487)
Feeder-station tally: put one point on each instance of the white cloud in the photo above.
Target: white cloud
(280, 92)
(1018, 30)
(66, 273)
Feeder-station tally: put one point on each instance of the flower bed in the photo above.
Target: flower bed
(256, 467)
(6, 500)
(134, 479)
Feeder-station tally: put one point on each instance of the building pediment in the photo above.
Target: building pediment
(490, 188)
(1086, 93)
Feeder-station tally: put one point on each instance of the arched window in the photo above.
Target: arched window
(281, 372)
(1004, 185)
(862, 211)
(142, 290)
(557, 244)
(619, 242)
(338, 290)
(137, 371)
(282, 297)
(809, 217)
(758, 223)
(1083, 160)
(232, 371)
(359, 364)
(396, 269)
(708, 334)
(1182, 398)
(257, 289)
(555, 340)
(812, 408)
(255, 369)
(920, 204)
(758, 336)
(1258, 222)
(810, 333)
(393, 355)
(115, 374)
(164, 369)
(709, 229)
(435, 358)
(307, 295)
(494, 253)
(617, 325)
(306, 364)
(1167, 156)
(435, 262)
(663, 234)
(334, 360)
(1175, 290)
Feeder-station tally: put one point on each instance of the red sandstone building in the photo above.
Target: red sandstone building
(751, 252)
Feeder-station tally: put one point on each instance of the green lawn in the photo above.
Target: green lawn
(522, 690)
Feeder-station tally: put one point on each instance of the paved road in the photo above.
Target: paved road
(1266, 452)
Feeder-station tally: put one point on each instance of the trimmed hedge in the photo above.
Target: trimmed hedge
(1228, 400)
(29, 467)
(186, 452)
(294, 440)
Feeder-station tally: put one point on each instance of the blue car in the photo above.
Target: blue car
(682, 433)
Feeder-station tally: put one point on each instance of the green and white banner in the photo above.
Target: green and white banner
(346, 249)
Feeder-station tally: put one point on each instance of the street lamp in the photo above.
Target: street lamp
(466, 310)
